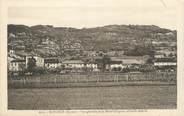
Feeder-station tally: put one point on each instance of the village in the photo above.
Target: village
(19, 63)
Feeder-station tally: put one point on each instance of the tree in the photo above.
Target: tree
(150, 60)
(171, 55)
(29, 47)
(39, 70)
(105, 61)
(140, 50)
(31, 64)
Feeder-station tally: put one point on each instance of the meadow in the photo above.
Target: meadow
(95, 98)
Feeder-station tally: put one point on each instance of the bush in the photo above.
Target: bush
(39, 70)
(55, 70)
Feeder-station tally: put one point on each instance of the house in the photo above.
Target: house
(129, 60)
(165, 53)
(111, 53)
(21, 54)
(51, 63)
(11, 52)
(92, 65)
(109, 63)
(138, 60)
(9, 59)
(73, 64)
(76, 46)
(159, 55)
(167, 61)
(90, 53)
(20, 47)
(11, 35)
(115, 65)
(48, 42)
(39, 60)
(17, 65)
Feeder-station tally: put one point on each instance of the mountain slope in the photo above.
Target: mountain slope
(106, 37)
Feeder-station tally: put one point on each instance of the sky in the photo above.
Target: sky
(93, 13)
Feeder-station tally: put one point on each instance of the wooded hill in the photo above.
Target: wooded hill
(110, 37)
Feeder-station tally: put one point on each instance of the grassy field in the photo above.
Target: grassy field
(119, 97)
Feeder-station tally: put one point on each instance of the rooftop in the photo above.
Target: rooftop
(133, 61)
(167, 59)
(73, 62)
(18, 60)
(51, 60)
(116, 62)
(22, 53)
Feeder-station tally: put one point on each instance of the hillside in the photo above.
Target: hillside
(110, 37)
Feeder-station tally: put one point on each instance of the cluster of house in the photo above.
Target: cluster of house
(18, 62)
(164, 58)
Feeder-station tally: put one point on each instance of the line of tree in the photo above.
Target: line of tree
(140, 51)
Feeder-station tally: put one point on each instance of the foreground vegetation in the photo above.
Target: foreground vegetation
(126, 97)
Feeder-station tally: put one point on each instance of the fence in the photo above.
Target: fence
(54, 80)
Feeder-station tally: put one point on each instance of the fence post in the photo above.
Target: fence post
(114, 78)
(162, 76)
(126, 76)
(87, 77)
(37, 80)
(117, 79)
(23, 81)
(76, 78)
(55, 80)
(129, 76)
(152, 76)
(11, 80)
(98, 77)
(156, 76)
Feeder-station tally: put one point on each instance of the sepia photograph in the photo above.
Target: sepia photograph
(93, 56)
(70, 58)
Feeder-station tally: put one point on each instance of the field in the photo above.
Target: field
(117, 97)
